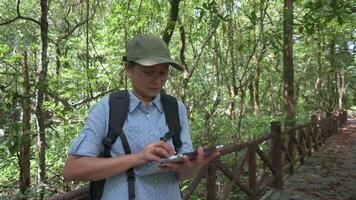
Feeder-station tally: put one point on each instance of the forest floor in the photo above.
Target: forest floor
(329, 174)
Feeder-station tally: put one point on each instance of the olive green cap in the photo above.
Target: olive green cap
(148, 50)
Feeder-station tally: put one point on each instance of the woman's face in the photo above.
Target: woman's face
(147, 81)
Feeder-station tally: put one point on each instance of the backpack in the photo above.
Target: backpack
(119, 106)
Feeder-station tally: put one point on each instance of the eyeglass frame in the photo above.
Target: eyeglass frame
(147, 75)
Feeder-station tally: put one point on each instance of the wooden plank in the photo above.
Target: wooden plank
(252, 173)
(276, 154)
(290, 147)
(237, 147)
(194, 183)
(265, 159)
(234, 177)
(300, 146)
(211, 183)
(309, 140)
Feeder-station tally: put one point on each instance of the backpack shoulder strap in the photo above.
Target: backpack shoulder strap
(171, 112)
(119, 107)
(119, 104)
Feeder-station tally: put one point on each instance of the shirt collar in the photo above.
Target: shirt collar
(157, 102)
(135, 102)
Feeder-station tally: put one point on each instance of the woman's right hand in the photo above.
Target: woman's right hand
(155, 152)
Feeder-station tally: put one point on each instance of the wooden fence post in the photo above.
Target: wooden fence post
(211, 182)
(252, 172)
(276, 154)
(338, 117)
(290, 150)
(301, 145)
(343, 117)
(330, 125)
(315, 132)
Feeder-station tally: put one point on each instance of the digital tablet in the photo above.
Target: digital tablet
(191, 155)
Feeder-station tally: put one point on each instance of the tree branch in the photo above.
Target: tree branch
(68, 106)
(183, 47)
(88, 99)
(215, 25)
(9, 21)
(64, 101)
(19, 17)
(70, 32)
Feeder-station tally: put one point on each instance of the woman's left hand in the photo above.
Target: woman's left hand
(189, 168)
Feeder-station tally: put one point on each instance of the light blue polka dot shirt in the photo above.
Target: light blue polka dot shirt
(142, 127)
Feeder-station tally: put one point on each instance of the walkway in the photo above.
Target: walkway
(329, 174)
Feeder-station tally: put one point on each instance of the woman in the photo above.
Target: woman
(146, 65)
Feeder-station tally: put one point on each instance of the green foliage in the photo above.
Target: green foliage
(218, 94)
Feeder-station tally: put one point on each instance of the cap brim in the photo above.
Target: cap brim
(149, 61)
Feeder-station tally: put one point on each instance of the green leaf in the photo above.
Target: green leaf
(253, 17)
(223, 26)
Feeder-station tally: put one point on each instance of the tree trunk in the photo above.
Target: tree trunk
(319, 80)
(288, 71)
(233, 58)
(58, 61)
(332, 83)
(173, 16)
(41, 86)
(251, 93)
(87, 59)
(256, 80)
(341, 89)
(256, 91)
(24, 159)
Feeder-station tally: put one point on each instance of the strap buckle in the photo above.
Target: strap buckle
(130, 175)
(167, 136)
(164, 139)
(107, 142)
(131, 178)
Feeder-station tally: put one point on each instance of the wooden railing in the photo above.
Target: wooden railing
(259, 164)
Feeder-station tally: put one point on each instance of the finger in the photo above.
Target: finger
(211, 156)
(166, 146)
(161, 152)
(153, 157)
(200, 155)
(165, 169)
(186, 162)
(171, 166)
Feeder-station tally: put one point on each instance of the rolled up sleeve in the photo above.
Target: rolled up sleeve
(89, 141)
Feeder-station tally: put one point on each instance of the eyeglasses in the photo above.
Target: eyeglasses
(152, 76)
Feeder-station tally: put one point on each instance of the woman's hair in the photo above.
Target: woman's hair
(130, 64)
